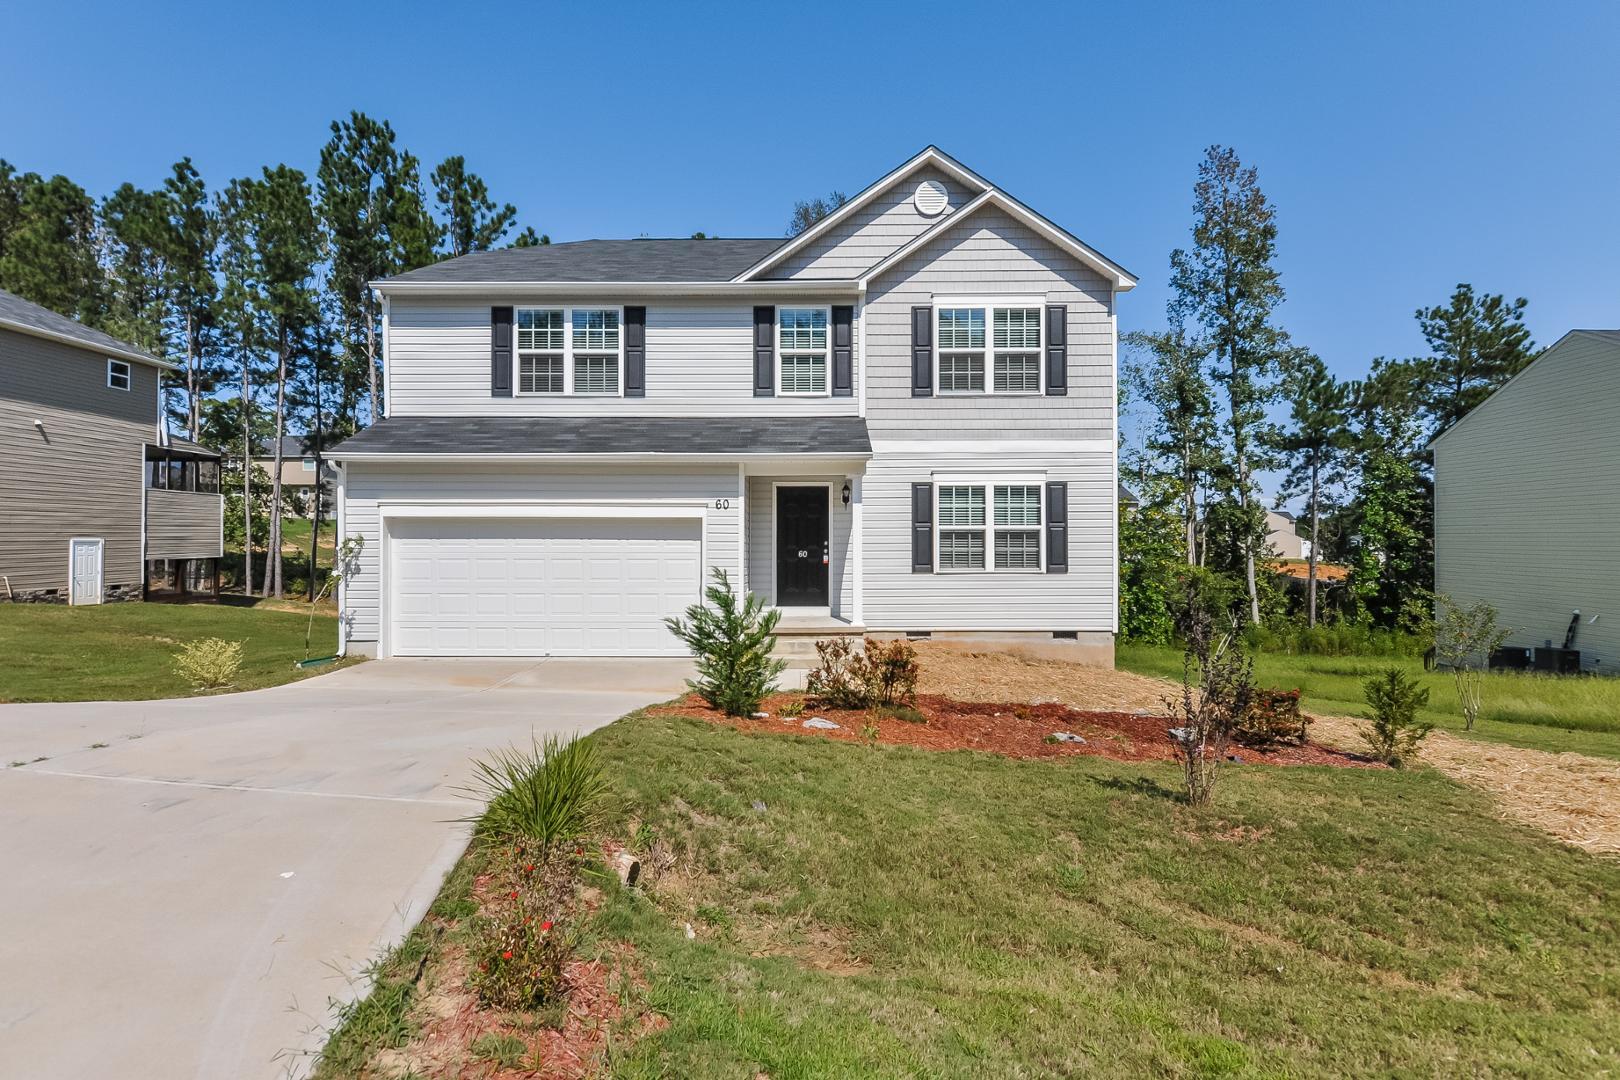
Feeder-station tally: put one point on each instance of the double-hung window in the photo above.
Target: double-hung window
(802, 349)
(989, 348)
(118, 377)
(569, 350)
(989, 525)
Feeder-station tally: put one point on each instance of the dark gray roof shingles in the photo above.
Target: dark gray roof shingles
(14, 309)
(588, 261)
(609, 435)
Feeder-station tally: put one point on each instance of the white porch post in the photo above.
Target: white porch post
(857, 549)
(742, 528)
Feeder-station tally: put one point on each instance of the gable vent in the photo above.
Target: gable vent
(930, 198)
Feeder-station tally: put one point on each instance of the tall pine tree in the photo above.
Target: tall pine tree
(1315, 439)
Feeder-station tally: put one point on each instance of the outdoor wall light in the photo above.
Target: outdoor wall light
(846, 492)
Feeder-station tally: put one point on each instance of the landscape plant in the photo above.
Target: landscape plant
(523, 937)
(551, 794)
(209, 663)
(345, 561)
(1464, 639)
(731, 641)
(1394, 730)
(1273, 717)
(880, 674)
(1217, 687)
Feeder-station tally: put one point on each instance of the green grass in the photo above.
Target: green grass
(895, 912)
(1542, 712)
(295, 535)
(125, 652)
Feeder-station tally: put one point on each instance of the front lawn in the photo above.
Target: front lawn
(125, 652)
(861, 911)
(1541, 712)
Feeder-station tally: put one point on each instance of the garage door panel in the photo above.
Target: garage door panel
(531, 588)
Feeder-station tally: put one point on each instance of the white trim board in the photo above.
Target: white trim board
(965, 447)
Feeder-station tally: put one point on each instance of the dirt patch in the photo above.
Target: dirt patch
(1011, 676)
(1011, 729)
(1572, 796)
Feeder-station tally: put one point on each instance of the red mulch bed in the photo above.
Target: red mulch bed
(1009, 729)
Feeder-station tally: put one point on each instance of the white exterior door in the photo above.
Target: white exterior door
(84, 571)
(540, 587)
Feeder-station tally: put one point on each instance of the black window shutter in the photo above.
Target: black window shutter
(1057, 350)
(500, 352)
(922, 352)
(843, 351)
(765, 352)
(1057, 528)
(922, 528)
(635, 352)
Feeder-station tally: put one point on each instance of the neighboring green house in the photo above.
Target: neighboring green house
(97, 501)
(1527, 502)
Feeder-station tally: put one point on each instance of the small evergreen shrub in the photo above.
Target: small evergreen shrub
(548, 795)
(880, 674)
(792, 709)
(209, 663)
(731, 642)
(1274, 716)
(1394, 730)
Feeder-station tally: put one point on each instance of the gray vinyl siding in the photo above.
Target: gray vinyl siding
(369, 485)
(990, 254)
(897, 599)
(700, 362)
(183, 524)
(1527, 501)
(872, 233)
(83, 476)
(761, 540)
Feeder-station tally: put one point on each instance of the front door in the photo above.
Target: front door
(84, 587)
(802, 548)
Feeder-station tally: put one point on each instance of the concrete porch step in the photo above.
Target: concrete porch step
(796, 637)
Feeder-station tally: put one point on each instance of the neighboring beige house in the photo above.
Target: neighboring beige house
(298, 473)
(97, 502)
(1527, 501)
(1282, 539)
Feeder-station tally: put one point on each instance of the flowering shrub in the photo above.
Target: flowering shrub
(1273, 717)
(209, 663)
(881, 673)
(523, 938)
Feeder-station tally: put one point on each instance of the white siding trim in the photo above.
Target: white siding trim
(991, 446)
(388, 402)
(343, 579)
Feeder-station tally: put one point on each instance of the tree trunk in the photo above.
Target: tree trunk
(1189, 504)
(247, 481)
(193, 420)
(272, 569)
(1316, 519)
(371, 357)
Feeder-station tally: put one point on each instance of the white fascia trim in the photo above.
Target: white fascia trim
(387, 398)
(1119, 278)
(537, 289)
(929, 156)
(339, 536)
(676, 459)
(448, 508)
(992, 446)
(89, 346)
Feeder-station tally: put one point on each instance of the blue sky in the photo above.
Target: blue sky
(1407, 146)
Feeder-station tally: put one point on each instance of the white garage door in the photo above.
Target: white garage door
(540, 587)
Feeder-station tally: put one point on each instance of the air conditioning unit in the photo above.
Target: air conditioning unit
(1510, 658)
(1559, 661)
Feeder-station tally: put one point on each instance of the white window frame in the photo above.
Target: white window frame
(128, 374)
(567, 352)
(989, 482)
(781, 354)
(990, 305)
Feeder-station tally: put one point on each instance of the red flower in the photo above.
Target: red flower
(546, 925)
(529, 869)
(579, 851)
(507, 955)
(514, 894)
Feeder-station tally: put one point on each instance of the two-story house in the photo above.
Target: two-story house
(901, 421)
(97, 501)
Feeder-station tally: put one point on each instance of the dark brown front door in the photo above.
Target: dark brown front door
(801, 547)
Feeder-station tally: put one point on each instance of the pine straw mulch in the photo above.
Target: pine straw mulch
(1573, 797)
(1012, 729)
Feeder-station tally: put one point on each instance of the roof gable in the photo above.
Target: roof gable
(1548, 356)
(27, 317)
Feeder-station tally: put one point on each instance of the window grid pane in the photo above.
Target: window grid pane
(539, 331)
(1018, 373)
(596, 374)
(804, 374)
(540, 374)
(961, 328)
(803, 330)
(1018, 328)
(596, 331)
(961, 551)
(961, 372)
(1018, 504)
(1018, 550)
(962, 505)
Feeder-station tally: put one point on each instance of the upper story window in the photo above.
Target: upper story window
(569, 350)
(1006, 361)
(986, 525)
(802, 350)
(183, 474)
(118, 376)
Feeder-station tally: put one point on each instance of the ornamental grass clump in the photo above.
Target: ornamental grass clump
(731, 640)
(209, 663)
(545, 797)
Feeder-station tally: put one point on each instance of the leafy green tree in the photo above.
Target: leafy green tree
(1150, 557)
(1476, 343)
(1167, 375)
(1316, 440)
(1227, 284)
(135, 227)
(1464, 639)
(48, 245)
(1391, 556)
(807, 213)
(473, 221)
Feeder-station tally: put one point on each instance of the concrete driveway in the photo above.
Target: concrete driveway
(183, 901)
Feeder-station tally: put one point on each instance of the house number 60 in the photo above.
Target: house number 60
(722, 504)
